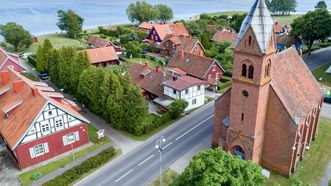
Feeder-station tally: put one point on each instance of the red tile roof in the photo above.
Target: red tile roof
(6, 57)
(225, 35)
(177, 29)
(184, 43)
(294, 84)
(285, 39)
(177, 70)
(183, 82)
(152, 82)
(147, 26)
(23, 116)
(99, 42)
(194, 65)
(99, 55)
(278, 27)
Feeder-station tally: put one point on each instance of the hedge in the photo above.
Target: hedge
(154, 122)
(32, 60)
(76, 172)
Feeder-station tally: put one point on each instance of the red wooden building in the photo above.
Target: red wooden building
(35, 123)
(198, 66)
(9, 60)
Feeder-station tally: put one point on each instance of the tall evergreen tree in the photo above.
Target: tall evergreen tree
(43, 59)
(54, 54)
(68, 57)
(79, 65)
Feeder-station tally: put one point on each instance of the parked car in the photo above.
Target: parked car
(25, 55)
(43, 76)
(327, 100)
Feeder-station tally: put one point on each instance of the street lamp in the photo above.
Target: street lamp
(158, 146)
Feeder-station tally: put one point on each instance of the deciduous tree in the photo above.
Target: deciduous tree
(141, 11)
(16, 35)
(314, 25)
(321, 4)
(177, 107)
(216, 167)
(70, 22)
(164, 12)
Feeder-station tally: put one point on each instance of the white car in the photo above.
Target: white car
(25, 55)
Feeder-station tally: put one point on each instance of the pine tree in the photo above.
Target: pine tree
(68, 57)
(40, 61)
(54, 54)
(79, 65)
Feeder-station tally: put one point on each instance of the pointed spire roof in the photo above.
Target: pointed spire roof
(261, 22)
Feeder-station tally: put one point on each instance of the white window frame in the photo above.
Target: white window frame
(194, 101)
(59, 124)
(214, 67)
(217, 75)
(39, 150)
(45, 127)
(75, 138)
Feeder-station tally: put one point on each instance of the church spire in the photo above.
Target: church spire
(262, 25)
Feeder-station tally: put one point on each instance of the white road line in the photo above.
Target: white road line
(167, 145)
(124, 175)
(151, 156)
(194, 127)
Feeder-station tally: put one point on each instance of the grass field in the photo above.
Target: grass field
(167, 177)
(281, 19)
(25, 178)
(315, 160)
(320, 73)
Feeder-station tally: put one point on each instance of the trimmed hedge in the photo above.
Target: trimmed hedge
(76, 172)
(155, 122)
(32, 60)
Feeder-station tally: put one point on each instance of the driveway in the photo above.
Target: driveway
(8, 171)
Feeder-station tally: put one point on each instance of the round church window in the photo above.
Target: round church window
(245, 93)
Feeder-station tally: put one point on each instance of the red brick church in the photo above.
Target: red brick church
(270, 115)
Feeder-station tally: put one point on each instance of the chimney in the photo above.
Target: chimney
(174, 78)
(18, 85)
(35, 92)
(159, 69)
(201, 53)
(181, 54)
(5, 77)
(146, 65)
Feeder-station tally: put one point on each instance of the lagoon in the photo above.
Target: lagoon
(40, 16)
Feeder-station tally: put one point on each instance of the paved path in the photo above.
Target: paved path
(141, 165)
(318, 58)
(59, 171)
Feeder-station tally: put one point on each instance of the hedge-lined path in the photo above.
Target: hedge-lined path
(78, 161)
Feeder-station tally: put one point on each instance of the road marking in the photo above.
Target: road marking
(167, 145)
(124, 175)
(194, 127)
(151, 156)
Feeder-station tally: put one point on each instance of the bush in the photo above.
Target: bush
(152, 122)
(329, 183)
(177, 107)
(76, 172)
(36, 176)
(32, 60)
(30, 76)
(325, 44)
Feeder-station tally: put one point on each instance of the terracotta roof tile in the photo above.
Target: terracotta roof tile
(183, 82)
(194, 65)
(5, 57)
(184, 43)
(147, 26)
(152, 82)
(177, 29)
(225, 35)
(285, 40)
(16, 125)
(278, 27)
(99, 55)
(294, 84)
(99, 42)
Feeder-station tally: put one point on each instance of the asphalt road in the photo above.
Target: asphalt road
(141, 165)
(318, 58)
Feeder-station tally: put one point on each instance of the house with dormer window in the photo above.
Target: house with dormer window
(37, 123)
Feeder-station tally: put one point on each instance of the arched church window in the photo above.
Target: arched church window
(269, 67)
(251, 72)
(244, 70)
(250, 40)
(238, 151)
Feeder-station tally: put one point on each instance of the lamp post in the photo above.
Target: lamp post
(158, 146)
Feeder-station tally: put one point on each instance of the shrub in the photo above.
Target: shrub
(36, 176)
(76, 172)
(32, 60)
(30, 76)
(177, 107)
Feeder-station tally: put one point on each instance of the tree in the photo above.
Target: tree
(165, 13)
(53, 70)
(16, 35)
(314, 25)
(282, 7)
(133, 48)
(70, 22)
(236, 21)
(216, 167)
(177, 107)
(43, 60)
(321, 4)
(141, 11)
(79, 65)
(205, 40)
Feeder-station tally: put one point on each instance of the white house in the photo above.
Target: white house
(187, 88)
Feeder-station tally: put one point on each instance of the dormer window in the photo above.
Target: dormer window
(4, 90)
(10, 107)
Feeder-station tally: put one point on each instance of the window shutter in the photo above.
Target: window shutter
(77, 136)
(64, 138)
(32, 155)
(46, 147)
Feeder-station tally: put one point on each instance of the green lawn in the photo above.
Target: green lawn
(315, 161)
(167, 176)
(25, 178)
(152, 63)
(320, 73)
(281, 19)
